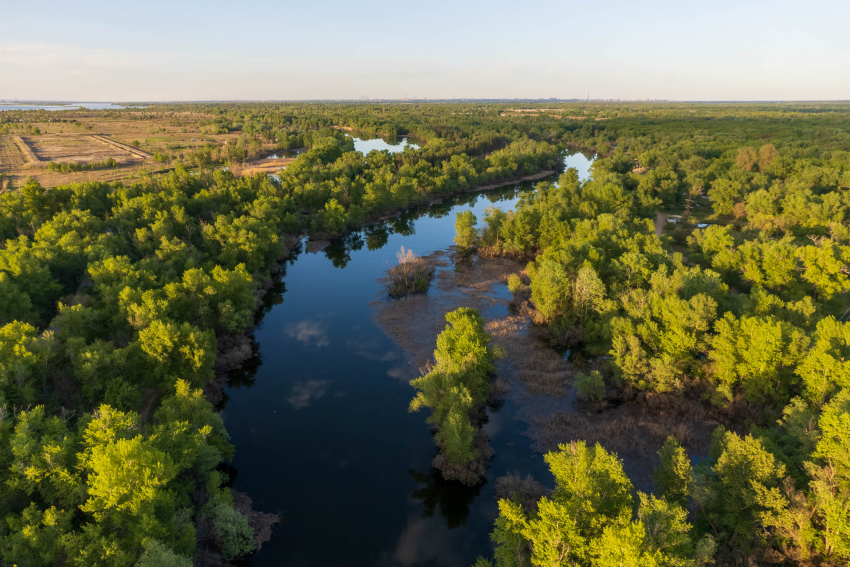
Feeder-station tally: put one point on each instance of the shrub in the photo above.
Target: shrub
(232, 532)
(590, 386)
(412, 275)
(514, 283)
(466, 233)
(157, 554)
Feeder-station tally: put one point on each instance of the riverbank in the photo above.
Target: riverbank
(537, 378)
(441, 198)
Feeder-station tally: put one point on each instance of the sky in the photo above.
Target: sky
(281, 50)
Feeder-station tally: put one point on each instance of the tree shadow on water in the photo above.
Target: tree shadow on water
(451, 497)
(339, 250)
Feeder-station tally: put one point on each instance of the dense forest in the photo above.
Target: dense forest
(120, 304)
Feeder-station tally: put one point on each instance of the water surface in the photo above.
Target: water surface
(68, 106)
(321, 426)
(392, 145)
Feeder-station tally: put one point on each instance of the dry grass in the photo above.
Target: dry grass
(526, 489)
(539, 380)
(415, 322)
(11, 157)
(635, 432)
(412, 275)
(26, 150)
(540, 369)
(266, 166)
(77, 148)
(77, 142)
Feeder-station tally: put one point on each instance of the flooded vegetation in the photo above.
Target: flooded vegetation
(325, 363)
(436, 351)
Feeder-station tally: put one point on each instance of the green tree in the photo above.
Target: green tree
(674, 474)
(23, 361)
(36, 536)
(739, 491)
(156, 554)
(232, 532)
(825, 368)
(551, 288)
(758, 354)
(466, 235)
(457, 383)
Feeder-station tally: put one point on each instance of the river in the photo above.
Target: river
(321, 427)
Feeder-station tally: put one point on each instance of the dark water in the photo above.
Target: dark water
(322, 431)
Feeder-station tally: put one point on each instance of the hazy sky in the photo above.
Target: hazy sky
(211, 50)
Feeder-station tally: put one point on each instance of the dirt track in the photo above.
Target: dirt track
(30, 157)
(130, 149)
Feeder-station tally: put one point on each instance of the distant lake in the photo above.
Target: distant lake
(393, 146)
(320, 422)
(581, 162)
(68, 106)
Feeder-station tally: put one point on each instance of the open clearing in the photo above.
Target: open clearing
(11, 157)
(30, 157)
(75, 148)
(85, 137)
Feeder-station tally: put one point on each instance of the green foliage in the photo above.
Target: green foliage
(178, 351)
(589, 520)
(465, 233)
(826, 366)
(156, 554)
(515, 283)
(109, 291)
(44, 460)
(23, 361)
(232, 532)
(657, 341)
(834, 445)
(674, 475)
(551, 288)
(72, 167)
(590, 386)
(36, 536)
(457, 383)
(740, 490)
(758, 355)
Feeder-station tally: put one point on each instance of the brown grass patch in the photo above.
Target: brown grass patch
(26, 151)
(635, 432)
(10, 154)
(412, 275)
(526, 489)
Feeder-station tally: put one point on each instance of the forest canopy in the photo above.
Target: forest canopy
(119, 301)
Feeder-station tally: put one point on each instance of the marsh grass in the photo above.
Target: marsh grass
(412, 275)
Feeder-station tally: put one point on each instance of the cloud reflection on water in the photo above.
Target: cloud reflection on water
(311, 333)
(305, 393)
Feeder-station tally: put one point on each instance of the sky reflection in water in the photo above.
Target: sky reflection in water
(323, 434)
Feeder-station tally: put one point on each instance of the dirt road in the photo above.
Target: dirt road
(129, 149)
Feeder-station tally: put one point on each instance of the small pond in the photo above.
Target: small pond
(392, 145)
